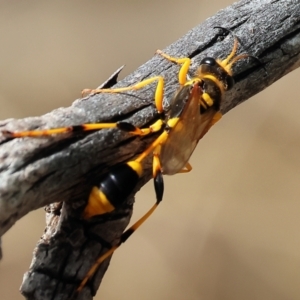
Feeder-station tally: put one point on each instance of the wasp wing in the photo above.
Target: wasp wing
(184, 136)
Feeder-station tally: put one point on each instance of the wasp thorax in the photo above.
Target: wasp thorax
(210, 68)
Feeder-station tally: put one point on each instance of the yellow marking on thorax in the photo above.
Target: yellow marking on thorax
(207, 99)
(215, 80)
(193, 81)
(173, 121)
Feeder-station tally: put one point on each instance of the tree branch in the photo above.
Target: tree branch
(48, 171)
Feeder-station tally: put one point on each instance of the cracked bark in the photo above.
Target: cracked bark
(62, 169)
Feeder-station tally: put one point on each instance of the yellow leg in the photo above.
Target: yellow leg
(126, 234)
(159, 92)
(186, 169)
(156, 166)
(160, 140)
(77, 128)
(184, 61)
(157, 174)
(96, 126)
(152, 128)
(218, 115)
(86, 127)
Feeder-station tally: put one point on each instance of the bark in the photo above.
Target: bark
(59, 171)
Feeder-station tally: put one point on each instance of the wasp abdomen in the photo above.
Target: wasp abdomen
(113, 190)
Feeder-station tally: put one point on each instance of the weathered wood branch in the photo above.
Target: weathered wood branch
(62, 169)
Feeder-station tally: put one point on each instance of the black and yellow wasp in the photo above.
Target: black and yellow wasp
(192, 111)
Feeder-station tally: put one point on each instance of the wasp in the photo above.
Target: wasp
(192, 111)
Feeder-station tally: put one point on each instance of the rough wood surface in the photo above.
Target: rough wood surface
(52, 170)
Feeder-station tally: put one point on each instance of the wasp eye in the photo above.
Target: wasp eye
(208, 61)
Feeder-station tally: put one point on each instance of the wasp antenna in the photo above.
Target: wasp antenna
(226, 63)
(232, 33)
(241, 56)
(228, 66)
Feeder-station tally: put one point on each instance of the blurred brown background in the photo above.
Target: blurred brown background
(228, 229)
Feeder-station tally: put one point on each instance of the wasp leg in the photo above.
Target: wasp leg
(160, 140)
(125, 126)
(45, 132)
(144, 131)
(126, 234)
(188, 168)
(159, 92)
(97, 126)
(157, 174)
(184, 61)
(218, 115)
